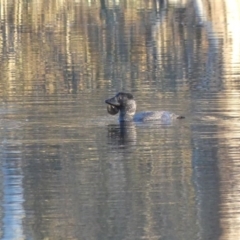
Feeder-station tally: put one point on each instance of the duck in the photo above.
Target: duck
(125, 104)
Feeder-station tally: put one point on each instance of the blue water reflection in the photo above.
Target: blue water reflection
(12, 192)
(69, 170)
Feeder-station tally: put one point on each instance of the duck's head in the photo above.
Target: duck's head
(124, 103)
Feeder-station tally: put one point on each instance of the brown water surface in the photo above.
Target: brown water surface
(71, 171)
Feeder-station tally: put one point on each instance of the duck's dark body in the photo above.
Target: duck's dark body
(125, 103)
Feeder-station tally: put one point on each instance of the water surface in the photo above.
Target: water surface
(71, 171)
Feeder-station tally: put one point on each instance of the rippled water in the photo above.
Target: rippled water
(69, 170)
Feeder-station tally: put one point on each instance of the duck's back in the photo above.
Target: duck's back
(162, 116)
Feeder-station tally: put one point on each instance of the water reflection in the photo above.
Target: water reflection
(12, 192)
(122, 135)
(206, 179)
(68, 170)
(149, 168)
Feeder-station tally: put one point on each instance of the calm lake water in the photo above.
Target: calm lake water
(69, 170)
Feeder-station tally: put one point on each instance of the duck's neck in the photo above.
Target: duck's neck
(124, 117)
(127, 112)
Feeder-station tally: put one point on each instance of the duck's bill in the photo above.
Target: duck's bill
(112, 101)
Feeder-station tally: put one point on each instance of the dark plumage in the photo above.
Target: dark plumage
(125, 103)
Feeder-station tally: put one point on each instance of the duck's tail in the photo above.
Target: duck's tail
(180, 117)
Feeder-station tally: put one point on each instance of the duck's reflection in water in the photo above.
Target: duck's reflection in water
(122, 135)
(116, 165)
